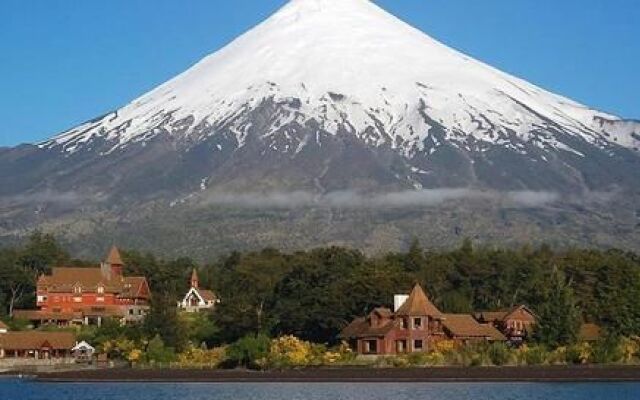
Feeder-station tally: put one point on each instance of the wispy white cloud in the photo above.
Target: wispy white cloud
(354, 199)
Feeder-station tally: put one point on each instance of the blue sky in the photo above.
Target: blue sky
(65, 61)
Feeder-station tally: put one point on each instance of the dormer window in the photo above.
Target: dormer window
(100, 289)
(417, 323)
(77, 289)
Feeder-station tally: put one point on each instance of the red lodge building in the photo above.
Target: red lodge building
(74, 296)
(416, 325)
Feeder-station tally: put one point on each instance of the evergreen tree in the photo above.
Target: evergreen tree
(558, 316)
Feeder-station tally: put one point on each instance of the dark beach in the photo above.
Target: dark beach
(441, 374)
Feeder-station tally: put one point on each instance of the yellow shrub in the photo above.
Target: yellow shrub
(585, 351)
(290, 351)
(435, 358)
(331, 357)
(629, 348)
(197, 357)
(558, 356)
(134, 355)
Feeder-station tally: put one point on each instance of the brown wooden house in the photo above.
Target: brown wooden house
(516, 323)
(415, 326)
(36, 345)
(465, 330)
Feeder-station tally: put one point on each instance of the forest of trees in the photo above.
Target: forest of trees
(313, 294)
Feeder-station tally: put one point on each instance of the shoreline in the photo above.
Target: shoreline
(613, 373)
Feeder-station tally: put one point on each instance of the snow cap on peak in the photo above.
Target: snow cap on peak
(346, 63)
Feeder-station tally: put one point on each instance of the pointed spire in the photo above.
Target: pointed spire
(114, 257)
(418, 304)
(113, 267)
(195, 282)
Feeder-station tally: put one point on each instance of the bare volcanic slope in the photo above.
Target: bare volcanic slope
(337, 108)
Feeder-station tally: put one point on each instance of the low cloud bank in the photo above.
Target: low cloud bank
(353, 199)
(532, 199)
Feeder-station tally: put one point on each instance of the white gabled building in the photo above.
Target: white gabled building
(83, 352)
(197, 299)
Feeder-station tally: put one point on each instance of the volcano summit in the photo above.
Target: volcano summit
(333, 122)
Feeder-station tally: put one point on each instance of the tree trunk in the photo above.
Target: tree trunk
(16, 293)
(259, 312)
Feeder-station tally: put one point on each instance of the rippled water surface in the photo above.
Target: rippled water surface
(12, 389)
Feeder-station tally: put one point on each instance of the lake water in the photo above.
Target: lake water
(12, 389)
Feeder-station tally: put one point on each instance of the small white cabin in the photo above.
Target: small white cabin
(83, 352)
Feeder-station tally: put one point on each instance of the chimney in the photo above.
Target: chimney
(398, 301)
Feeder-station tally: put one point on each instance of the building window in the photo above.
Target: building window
(100, 299)
(401, 346)
(417, 323)
(371, 346)
(131, 311)
(101, 289)
(403, 323)
(417, 345)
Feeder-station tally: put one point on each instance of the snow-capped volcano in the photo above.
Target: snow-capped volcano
(366, 131)
(347, 64)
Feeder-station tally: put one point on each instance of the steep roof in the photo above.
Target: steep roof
(207, 295)
(503, 314)
(491, 316)
(418, 304)
(32, 340)
(64, 279)
(383, 312)
(83, 346)
(194, 276)
(114, 256)
(135, 286)
(360, 327)
(465, 326)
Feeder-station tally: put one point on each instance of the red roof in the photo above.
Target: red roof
(504, 314)
(65, 279)
(418, 305)
(465, 326)
(114, 257)
(361, 327)
(207, 295)
(32, 340)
